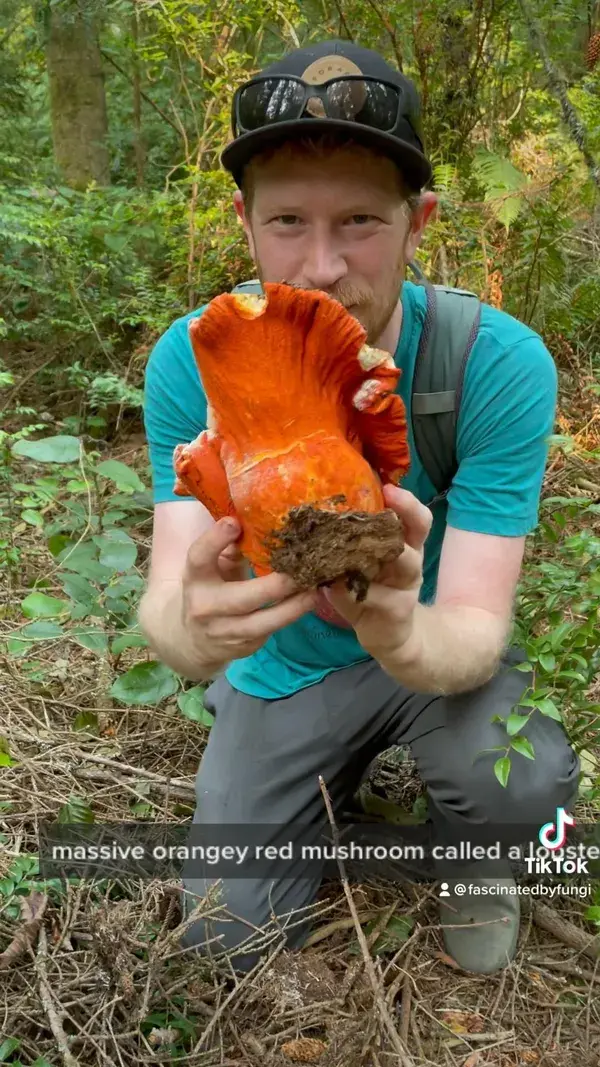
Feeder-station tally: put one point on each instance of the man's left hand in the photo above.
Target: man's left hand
(384, 621)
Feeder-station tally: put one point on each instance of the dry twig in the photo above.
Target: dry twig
(46, 998)
(403, 1056)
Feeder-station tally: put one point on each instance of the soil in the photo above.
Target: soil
(318, 547)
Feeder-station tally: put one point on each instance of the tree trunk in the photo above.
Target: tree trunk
(138, 137)
(77, 95)
(559, 89)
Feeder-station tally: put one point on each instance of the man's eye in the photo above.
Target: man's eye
(361, 219)
(286, 220)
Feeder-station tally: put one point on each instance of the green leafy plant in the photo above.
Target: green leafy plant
(21, 879)
(96, 557)
(557, 625)
(396, 931)
(502, 182)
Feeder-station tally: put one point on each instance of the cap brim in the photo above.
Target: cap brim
(413, 164)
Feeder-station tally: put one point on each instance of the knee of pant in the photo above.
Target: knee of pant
(534, 788)
(214, 937)
(239, 923)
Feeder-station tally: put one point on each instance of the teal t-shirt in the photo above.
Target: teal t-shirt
(507, 412)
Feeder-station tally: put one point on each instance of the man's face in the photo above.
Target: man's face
(337, 224)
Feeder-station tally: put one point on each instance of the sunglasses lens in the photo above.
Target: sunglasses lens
(273, 100)
(370, 103)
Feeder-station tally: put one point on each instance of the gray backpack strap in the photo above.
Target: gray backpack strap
(252, 286)
(449, 333)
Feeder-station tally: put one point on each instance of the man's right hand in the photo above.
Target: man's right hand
(224, 618)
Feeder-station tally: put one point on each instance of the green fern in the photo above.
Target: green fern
(499, 177)
(76, 809)
(444, 176)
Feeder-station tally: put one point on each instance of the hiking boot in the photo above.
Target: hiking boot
(491, 909)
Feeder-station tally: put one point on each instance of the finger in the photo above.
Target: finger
(233, 570)
(204, 552)
(380, 599)
(232, 552)
(261, 624)
(403, 572)
(251, 594)
(415, 516)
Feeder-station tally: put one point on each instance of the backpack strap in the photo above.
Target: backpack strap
(449, 333)
(251, 286)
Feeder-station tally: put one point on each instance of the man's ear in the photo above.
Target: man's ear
(420, 218)
(240, 210)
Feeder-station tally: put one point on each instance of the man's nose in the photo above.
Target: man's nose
(324, 266)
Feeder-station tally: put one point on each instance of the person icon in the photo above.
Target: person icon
(444, 890)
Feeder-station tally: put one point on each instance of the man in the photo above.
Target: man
(331, 174)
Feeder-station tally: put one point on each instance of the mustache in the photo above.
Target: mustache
(346, 293)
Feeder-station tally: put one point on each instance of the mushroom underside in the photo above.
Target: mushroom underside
(317, 547)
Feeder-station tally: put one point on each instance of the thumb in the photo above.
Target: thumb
(204, 552)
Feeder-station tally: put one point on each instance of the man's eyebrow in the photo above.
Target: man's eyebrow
(353, 207)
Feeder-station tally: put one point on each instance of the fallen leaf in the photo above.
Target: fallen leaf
(158, 1037)
(444, 958)
(463, 1022)
(473, 1060)
(32, 911)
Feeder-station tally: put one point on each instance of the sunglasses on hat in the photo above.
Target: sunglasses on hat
(357, 98)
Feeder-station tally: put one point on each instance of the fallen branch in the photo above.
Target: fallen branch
(150, 776)
(335, 926)
(502, 1035)
(564, 967)
(564, 930)
(403, 1057)
(33, 907)
(46, 998)
(177, 792)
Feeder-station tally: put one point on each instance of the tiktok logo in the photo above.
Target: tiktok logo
(553, 835)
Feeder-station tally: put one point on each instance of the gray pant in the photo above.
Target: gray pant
(264, 757)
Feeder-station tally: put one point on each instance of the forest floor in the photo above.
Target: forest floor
(98, 977)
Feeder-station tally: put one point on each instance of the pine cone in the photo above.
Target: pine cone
(593, 51)
(304, 1050)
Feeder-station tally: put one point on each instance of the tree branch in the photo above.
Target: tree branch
(343, 22)
(143, 95)
(559, 88)
(390, 32)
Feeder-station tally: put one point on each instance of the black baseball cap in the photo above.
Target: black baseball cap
(261, 105)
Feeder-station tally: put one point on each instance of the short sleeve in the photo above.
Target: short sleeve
(174, 405)
(508, 409)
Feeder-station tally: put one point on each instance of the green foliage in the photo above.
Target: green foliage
(76, 810)
(191, 705)
(87, 529)
(21, 879)
(396, 931)
(558, 610)
(146, 683)
(499, 178)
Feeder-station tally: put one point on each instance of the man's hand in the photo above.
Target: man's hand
(232, 565)
(222, 613)
(384, 621)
